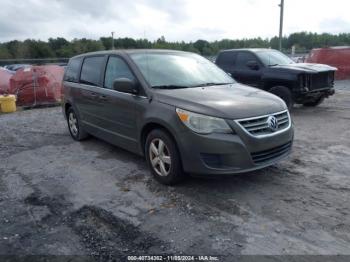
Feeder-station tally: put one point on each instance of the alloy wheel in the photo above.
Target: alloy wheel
(73, 123)
(160, 157)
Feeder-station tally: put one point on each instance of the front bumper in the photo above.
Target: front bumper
(326, 90)
(311, 95)
(217, 154)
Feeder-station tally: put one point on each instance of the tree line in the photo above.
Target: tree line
(62, 48)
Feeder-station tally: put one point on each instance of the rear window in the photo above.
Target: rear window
(72, 71)
(92, 70)
(226, 59)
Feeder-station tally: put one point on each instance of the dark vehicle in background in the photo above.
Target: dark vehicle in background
(178, 109)
(270, 70)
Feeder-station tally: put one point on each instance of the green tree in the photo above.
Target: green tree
(62, 48)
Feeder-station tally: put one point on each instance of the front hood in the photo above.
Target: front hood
(234, 101)
(307, 68)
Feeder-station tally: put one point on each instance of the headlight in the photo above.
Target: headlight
(203, 124)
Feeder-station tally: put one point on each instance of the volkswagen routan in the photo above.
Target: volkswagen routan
(178, 110)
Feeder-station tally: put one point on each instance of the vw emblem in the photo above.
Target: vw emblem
(272, 123)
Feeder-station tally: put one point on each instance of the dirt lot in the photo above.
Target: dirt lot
(62, 197)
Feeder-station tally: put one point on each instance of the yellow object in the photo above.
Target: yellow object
(183, 116)
(8, 103)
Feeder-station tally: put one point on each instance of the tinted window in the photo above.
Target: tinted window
(72, 72)
(226, 59)
(116, 68)
(243, 58)
(91, 70)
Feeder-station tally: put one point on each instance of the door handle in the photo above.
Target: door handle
(103, 98)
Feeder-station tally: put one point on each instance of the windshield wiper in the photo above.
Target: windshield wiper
(274, 65)
(212, 84)
(180, 87)
(169, 87)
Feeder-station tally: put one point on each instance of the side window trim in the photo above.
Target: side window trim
(106, 65)
(102, 70)
(88, 83)
(80, 68)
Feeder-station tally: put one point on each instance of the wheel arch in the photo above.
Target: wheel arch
(152, 125)
(269, 84)
(67, 105)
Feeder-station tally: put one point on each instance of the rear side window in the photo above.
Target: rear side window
(226, 59)
(116, 68)
(72, 71)
(243, 58)
(91, 70)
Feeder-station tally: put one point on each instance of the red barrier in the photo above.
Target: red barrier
(4, 80)
(37, 85)
(338, 57)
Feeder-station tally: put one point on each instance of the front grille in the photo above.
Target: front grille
(259, 126)
(271, 154)
(321, 80)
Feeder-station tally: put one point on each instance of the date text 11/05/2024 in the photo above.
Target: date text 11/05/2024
(173, 258)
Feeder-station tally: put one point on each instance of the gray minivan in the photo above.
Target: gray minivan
(178, 109)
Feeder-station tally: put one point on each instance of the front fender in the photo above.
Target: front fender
(281, 79)
(163, 115)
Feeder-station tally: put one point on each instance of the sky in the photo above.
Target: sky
(176, 20)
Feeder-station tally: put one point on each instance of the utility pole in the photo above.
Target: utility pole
(281, 24)
(112, 40)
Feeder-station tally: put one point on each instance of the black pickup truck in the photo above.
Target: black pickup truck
(270, 70)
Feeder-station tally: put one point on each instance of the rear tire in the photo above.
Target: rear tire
(163, 158)
(315, 102)
(74, 126)
(285, 94)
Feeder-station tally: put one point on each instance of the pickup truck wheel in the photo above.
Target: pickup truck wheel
(314, 102)
(75, 129)
(163, 158)
(285, 94)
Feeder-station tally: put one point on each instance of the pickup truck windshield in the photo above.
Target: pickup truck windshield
(273, 58)
(172, 70)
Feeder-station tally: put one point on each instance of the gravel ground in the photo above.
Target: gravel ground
(343, 85)
(59, 197)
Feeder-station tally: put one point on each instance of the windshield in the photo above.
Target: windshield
(272, 58)
(179, 70)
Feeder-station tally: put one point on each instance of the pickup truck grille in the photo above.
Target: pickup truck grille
(321, 80)
(260, 127)
(271, 154)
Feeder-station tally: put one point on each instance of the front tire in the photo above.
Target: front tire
(74, 126)
(285, 94)
(163, 158)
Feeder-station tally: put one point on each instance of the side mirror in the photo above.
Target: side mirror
(253, 65)
(125, 85)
